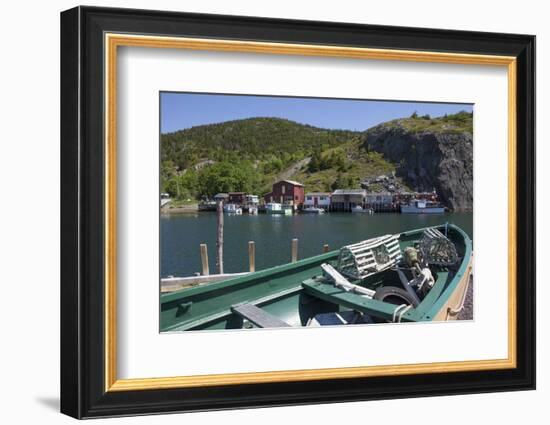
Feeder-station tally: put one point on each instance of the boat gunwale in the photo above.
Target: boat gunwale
(266, 273)
(447, 292)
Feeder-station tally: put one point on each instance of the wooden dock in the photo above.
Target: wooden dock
(171, 284)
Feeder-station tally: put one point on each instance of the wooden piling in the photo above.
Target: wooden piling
(325, 248)
(219, 242)
(252, 256)
(204, 259)
(294, 250)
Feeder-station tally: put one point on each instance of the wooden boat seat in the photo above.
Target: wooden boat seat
(321, 289)
(258, 317)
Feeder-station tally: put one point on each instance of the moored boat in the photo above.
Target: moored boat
(232, 209)
(415, 276)
(360, 209)
(288, 209)
(422, 207)
(165, 199)
(273, 208)
(313, 210)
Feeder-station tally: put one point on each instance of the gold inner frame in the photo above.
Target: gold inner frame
(113, 41)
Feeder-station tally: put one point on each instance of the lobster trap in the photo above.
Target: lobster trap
(364, 258)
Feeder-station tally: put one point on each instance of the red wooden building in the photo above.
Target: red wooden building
(238, 198)
(286, 192)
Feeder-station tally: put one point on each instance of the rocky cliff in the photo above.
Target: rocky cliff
(430, 154)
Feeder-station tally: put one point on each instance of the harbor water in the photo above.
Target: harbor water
(182, 234)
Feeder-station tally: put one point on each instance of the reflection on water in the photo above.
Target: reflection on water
(182, 234)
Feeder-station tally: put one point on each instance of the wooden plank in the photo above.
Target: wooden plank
(252, 256)
(379, 267)
(259, 317)
(369, 243)
(219, 242)
(369, 266)
(204, 260)
(434, 233)
(394, 248)
(342, 282)
(364, 254)
(171, 284)
(365, 258)
(294, 254)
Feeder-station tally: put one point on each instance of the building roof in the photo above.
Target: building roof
(292, 182)
(379, 194)
(318, 194)
(237, 193)
(221, 195)
(349, 192)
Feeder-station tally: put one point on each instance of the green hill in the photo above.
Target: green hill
(243, 155)
(251, 154)
(252, 138)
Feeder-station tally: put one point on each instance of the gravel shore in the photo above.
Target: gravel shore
(192, 208)
(467, 312)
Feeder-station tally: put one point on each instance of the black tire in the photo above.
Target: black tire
(394, 295)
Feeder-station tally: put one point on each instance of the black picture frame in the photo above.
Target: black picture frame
(83, 392)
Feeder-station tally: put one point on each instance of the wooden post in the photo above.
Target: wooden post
(252, 256)
(204, 259)
(325, 247)
(219, 242)
(294, 250)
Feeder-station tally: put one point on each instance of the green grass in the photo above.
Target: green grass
(359, 165)
(175, 203)
(461, 122)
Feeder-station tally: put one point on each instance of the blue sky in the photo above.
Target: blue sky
(184, 110)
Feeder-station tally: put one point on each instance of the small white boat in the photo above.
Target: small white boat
(274, 208)
(288, 210)
(313, 210)
(359, 209)
(164, 199)
(232, 209)
(253, 210)
(417, 206)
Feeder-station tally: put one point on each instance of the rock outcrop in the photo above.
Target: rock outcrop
(435, 154)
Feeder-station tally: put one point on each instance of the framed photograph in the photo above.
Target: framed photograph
(261, 212)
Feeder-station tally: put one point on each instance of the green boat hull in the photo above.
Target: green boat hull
(297, 292)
